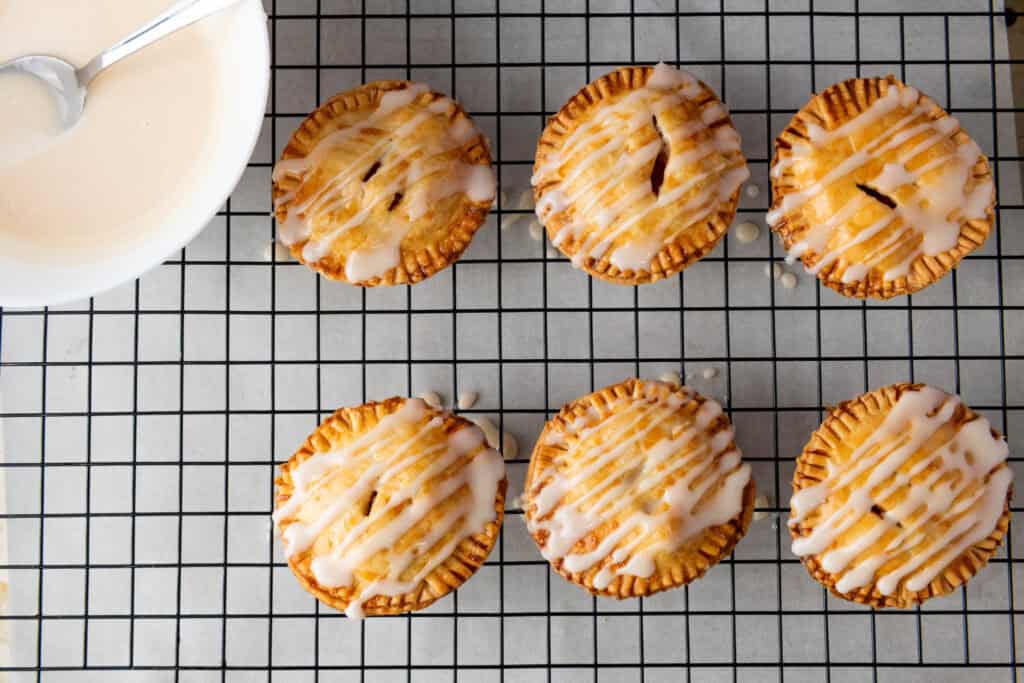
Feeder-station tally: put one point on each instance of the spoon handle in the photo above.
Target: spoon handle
(183, 13)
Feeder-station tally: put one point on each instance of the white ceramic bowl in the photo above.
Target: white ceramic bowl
(35, 284)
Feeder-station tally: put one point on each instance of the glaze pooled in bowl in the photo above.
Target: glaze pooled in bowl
(164, 138)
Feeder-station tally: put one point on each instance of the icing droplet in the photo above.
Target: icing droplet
(753, 190)
(671, 378)
(432, 399)
(762, 501)
(467, 399)
(536, 231)
(509, 446)
(747, 232)
(489, 430)
(525, 202)
(503, 441)
(666, 78)
(275, 251)
(788, 280)
(710, 372)
(509, 219)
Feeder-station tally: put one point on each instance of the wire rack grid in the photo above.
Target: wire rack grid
(142, 427)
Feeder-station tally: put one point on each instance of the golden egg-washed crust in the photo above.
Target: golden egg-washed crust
(828, 110)
(843, 430)
(690, 244)
(468, 556)
(674, 568)
(435, 241)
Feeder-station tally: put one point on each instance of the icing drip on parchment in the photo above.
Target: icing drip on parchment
(427, 492)
(898, 150)
(657, 471)
(602, 174)
(909, 500)
(396, 164)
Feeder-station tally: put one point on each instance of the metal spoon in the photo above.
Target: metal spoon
(69, 85)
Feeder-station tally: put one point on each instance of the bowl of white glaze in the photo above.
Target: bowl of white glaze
(166, 136)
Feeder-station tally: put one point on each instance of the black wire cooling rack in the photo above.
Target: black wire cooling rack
(143, 426)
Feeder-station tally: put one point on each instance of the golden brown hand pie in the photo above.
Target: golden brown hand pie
(639, 174)
(637, 488)
(389, 506)
(383, 184)
(877, 189)
(901, 495)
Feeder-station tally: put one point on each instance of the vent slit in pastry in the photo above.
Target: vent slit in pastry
(369, 503)
(372, 171)
(875, 194)
(661, 161)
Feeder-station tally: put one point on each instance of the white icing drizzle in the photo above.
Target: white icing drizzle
(392, 453)
(509, 446)
(909, 500)
(496, 438)
(369, 262)
(432, 399)
(389, 146)
(606, 206)
(490, 432)
(929, 191)
(576, 494)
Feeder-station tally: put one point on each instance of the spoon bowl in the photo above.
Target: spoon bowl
(61, 80)
(69, 85)
(230, 57)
